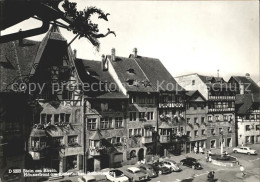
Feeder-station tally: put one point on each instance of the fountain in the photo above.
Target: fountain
(223, 159)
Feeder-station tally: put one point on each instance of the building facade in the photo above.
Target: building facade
(247, 109)
(220, 98)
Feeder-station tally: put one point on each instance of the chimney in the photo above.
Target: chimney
(247, 75)
(75, 53)
(20, 38)
(241, 88)
(104, 63)
(135, 52)
(113, 54)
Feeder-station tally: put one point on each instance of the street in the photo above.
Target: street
(223, 174)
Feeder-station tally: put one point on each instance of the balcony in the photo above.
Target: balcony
(222, 97)
(165, 138)
(171, 105)
(146, 139)
(222, 110)
(95, 151)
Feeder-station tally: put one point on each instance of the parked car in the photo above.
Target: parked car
(135, 174)
(244, 150)
(92, 178)
(191, 162)
(115, 175)
(172, 165)
(148, 169)
(160, 168)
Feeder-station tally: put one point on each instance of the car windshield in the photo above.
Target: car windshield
(249, 148)
(117, 173)
(137, 171)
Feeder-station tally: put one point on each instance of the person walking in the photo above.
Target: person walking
(242, 169)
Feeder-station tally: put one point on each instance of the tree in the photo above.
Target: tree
(48, 12)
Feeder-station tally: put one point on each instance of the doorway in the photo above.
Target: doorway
(141, 154)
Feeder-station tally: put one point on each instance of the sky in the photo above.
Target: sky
(187, 36)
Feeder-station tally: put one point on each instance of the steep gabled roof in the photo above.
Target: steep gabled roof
(191, 93)
(248, 82)
(90, 72)
(160, 78)
(140, 81)
(16, 61)
(243, 103)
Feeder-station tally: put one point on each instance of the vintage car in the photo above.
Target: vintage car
(148, 169)
(160, 168)
(92, 178)
(135, 174)
(191, 162)
(244, 150)
(172, 165)
(115, 175)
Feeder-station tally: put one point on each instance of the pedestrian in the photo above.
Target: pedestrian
(242, 169)
(211, 175)
(209, 152)
(210, 160)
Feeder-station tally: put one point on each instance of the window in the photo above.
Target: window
(67, 118)
(132, 116)
(203, 132)
(56, 118)
(195, 106)
(258, 116)
(213, 144)
(138, 132)
(229, 130)
(209, 118)
(72, 140)
(141, 115)
(130, 132)
(247, 127)
(62, 117)
(257, 127)
(104, 106)
(150, 99)
(193, 82)
(149, 115)
(92, 124)
(118, 122)
(142, 100)
(196, 120)
(132, 99)
(181, 129)
(106, 123)
(188, 133)
(196, 133)
(49, 117)
(230, 118)
(43, 118)
(202, 106)
(217, 118)
(220, 130)
(225, 117)
(188, 120)
(212, 131)
(57, 141)
(202, 120)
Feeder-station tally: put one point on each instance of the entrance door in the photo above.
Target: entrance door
(104, 160)
(141, 154)
(90, 165)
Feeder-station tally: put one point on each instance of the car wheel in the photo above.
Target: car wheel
(160, 172)
(193, 167)
(248, 153)
(235, 151)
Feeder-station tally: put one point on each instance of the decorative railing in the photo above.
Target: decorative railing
(222, 110)
(222, 97)
(170, 104)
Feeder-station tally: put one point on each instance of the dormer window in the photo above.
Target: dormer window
(130, 81)
(132, 71)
